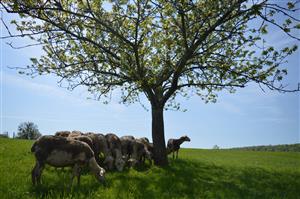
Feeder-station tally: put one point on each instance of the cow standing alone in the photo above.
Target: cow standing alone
(174, 144)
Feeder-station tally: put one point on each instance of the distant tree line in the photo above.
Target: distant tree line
(4, 135)
(278, 148)
(26, 130)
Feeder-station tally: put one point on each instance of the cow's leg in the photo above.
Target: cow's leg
(34, 173)
(177, 154)
(37, 172)
(143, 158)
(42, 165)
(173, 154)
(78, 177)
(76, 172)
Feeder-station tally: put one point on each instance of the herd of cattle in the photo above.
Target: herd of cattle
(96, 151)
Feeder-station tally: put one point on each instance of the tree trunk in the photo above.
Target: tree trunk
(158, 136)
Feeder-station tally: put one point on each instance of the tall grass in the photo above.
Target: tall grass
(196, 174)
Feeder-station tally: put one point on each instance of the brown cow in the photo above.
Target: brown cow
(174, 144)
(114, 145)
(59, 151)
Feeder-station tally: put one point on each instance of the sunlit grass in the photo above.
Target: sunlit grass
(196, 174)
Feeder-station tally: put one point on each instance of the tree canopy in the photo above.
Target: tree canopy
(28, 130)
(160, 48)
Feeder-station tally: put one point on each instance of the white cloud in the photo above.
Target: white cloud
(248, 99)
(39, 88)
(78, 96)
(230, 107)
(14, 117)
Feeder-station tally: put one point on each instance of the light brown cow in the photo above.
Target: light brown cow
(59, 151)
(114, 145)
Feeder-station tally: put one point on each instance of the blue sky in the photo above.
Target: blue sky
(248, 117)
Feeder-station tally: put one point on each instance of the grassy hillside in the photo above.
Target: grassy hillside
(196, 174)
(280, 147)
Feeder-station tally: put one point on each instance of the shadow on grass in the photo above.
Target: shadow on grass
(181, 179)
(187, 179)
(56, 184)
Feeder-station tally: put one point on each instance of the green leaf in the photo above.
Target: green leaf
(264, 30)
(265, 52)
(284, 71)
(297, 26)
(288, 21)
(290, 5)
(279, 78)
(34, 60)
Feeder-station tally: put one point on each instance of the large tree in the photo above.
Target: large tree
(160, 48)
(28, 130)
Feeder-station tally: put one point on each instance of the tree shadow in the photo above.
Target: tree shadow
(190, 179)
(56, 183)
(181, 179)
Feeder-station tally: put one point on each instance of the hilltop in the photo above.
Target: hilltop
(280, 148)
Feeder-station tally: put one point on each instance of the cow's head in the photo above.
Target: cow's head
(186, 138)
(101, 175)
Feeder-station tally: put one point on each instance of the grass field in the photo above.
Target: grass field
(196, 174)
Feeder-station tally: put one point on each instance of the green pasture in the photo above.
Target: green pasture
(198, 173)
